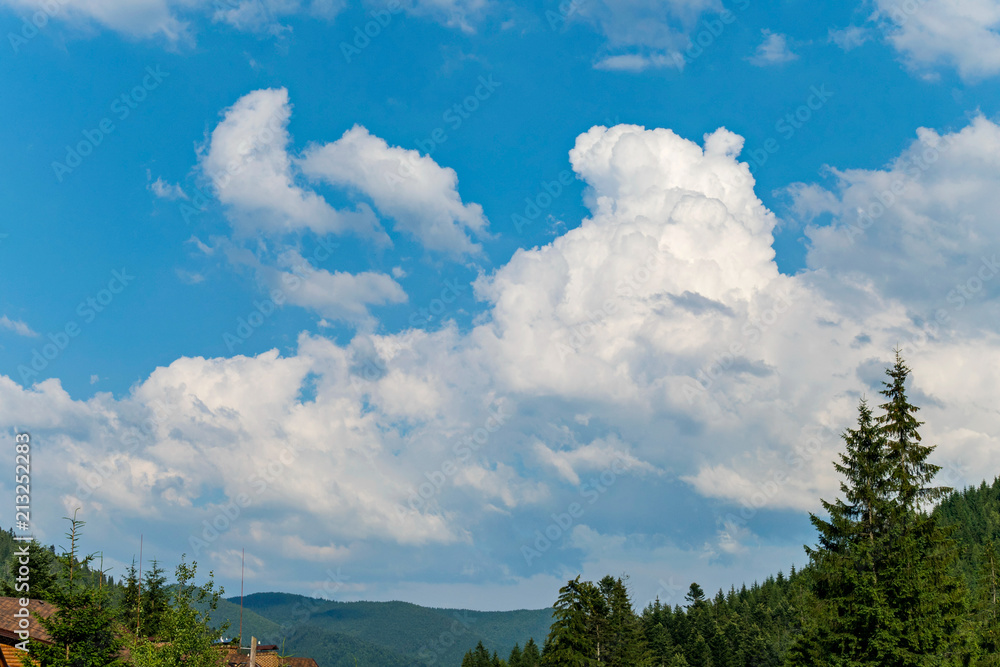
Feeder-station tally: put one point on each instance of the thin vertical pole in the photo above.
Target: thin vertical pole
(243, 562)
(138, 603)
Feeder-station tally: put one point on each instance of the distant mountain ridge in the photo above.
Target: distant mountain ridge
(378, 634)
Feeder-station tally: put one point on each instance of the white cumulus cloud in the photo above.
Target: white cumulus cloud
(662, 319)
(248, 163)
(421, 196)
(964, 34)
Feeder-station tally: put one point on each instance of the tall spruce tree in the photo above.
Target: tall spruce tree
(570, 643)
(624, 640)
(128, 603)
(41, 578)
(514, 659)
(927, 600)
(882, 570)
(531, 656)
(155, 601)
(856, 623)
(987, 610)
(83, 627)
(911, 474)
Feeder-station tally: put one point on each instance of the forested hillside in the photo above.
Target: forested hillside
(974, 517)
(904, 573)
(385, 633)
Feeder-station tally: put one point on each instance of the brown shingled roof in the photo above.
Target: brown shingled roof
(10, 656)
(9, 622)
(236, 658)
(299, 662)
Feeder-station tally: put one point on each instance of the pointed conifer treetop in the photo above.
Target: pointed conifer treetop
(865, 476)
(906, 456)
(695, 594)
(569, 643)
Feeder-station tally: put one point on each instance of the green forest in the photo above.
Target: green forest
(902, 573)
(99, 623)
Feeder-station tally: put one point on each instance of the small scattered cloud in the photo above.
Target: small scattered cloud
(773, 50)
(256, 16)
(201, 245)
(645, 34)
(849, 38)
(189, 277)
(18, 327)
(165, 190)
(94, 379)
(634, 62)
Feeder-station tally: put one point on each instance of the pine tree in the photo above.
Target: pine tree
(530, 656)
(597, 614)
(514, 659)
(128, 604)
(186, 626)
(987, 610)
(857, 623)
(926, 599)
(883, 568)
(906, 456)
(695, 595)
(83, 626)
(40, 577)
(661, 644)
(155, 601)
(625, 643)
(699, 654)
(570, 643)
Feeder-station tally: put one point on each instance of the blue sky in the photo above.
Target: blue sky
(666, 242)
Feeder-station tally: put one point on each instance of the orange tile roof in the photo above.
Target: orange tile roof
(11, 655)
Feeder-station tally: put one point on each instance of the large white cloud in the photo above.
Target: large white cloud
(659, 334)
(249, 164)
(922, 230)
(413, 189)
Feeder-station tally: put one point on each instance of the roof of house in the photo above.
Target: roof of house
(10, 655)
(9, 622)
(299, 662)
(270, 658)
